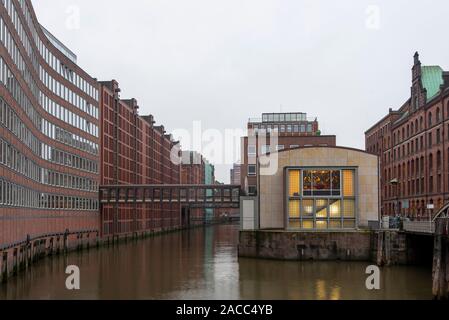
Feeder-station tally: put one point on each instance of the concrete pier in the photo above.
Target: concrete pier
(383, 247)
(318, 246)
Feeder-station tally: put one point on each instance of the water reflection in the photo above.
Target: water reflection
(203, 264)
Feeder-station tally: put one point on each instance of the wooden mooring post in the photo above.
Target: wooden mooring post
(440, 271)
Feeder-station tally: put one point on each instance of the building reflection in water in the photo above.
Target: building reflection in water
(203, 264)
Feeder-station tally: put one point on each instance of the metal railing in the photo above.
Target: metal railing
(427, 227)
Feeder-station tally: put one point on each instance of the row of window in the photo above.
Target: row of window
(68, 116)
(68, 159)
(13, 195)
(17, 161)
(13, 86)
(8, 79)
(304, 128)
(412, 128)
(49, 58)
(14, 52)
(20, 63)
(284, 117)
(414, 187)
(252, 150)
(49, 105)
(64, 136)
(22, 33)
(415, 146)
(67, 94)
(64, 70)
(415, 167)
(10, 120)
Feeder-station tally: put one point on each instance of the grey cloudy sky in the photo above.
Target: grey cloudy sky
(223, 61)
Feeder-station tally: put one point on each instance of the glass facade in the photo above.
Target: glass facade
(321, 199)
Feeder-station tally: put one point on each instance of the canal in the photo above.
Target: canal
(203, 264)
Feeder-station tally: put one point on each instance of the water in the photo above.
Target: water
(203, 264)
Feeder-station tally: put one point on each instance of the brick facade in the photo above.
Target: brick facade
(48, 132)
(135, 151)
(413, 146)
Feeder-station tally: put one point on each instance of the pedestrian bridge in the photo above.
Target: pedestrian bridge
(199, 196)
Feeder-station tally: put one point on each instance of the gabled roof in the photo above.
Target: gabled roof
(432, 79)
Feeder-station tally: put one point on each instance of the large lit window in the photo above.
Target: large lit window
(321, 199)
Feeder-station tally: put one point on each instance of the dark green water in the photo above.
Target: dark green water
(203, 264)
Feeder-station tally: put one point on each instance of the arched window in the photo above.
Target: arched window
(438, 115)
(430, 119)
(413, 128)
(438, 160)
(421, 123)
(422, 164)
(447, 109)
(409, 171)
(417, 166)
(430, 162)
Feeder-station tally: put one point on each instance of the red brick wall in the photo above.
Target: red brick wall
(143, 157)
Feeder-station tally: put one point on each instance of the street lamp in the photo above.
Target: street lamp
(395, 182)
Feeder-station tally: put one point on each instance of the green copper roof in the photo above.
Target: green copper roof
(432, 79)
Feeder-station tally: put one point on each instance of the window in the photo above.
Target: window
(252, 190)
(321, 199)
(252, 151)
(293, 146)
(309, 128)
(252, 170)
(280, 147)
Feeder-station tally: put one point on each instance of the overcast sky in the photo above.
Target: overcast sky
(223, 61)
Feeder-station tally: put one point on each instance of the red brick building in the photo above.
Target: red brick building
(413, 146)
(49, 132)
(193, 170)
(134, 151)
(293, 130)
